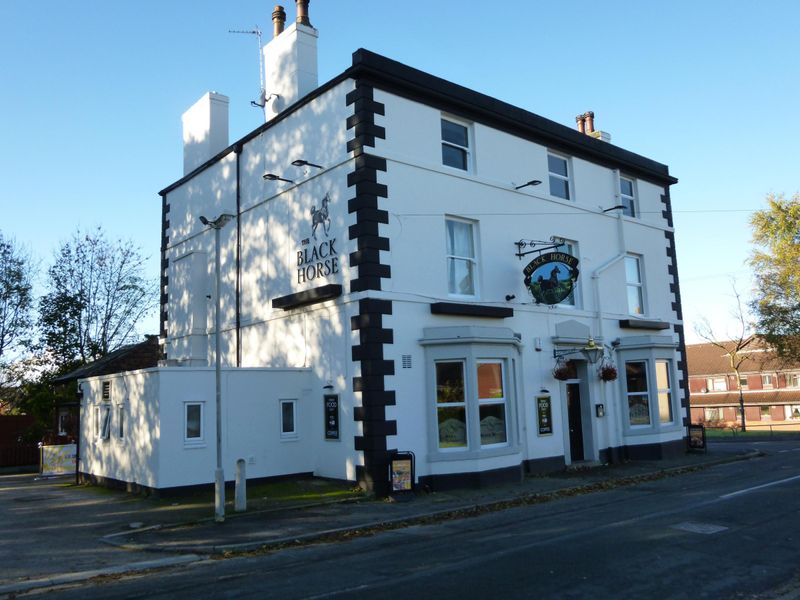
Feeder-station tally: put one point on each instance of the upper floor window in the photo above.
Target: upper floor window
(767, 381)
(793, 380)
(635, 285)
(716, 384)
(455, 145)
(558, 168)
(627, 196)
(570, 248)
(461, 261)
(743, 382)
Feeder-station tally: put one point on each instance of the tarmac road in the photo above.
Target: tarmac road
(732, 530)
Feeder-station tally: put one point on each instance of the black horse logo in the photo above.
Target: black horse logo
(320, 216)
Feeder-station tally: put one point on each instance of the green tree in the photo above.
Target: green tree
(16, 297)
(97, 294)
(776, 268)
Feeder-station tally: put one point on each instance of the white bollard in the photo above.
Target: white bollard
(240, 501)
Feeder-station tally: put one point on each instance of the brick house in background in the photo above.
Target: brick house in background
(771, 387)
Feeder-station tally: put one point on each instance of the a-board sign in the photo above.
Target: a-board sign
(331, 416)
(544, 413)
(697, 437)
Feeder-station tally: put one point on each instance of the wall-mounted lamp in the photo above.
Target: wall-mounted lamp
(304, 163)
(273, 177)
(537, 344)
(617, 207)
(544, 391)
(328, 386)
(531, 182)
(510, 297)
(591, 351)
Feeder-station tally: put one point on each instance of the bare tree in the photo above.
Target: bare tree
(16, 296)
(97, 295)
(734, 346)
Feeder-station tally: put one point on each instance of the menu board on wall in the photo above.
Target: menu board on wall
(544, 415)
(331, 416)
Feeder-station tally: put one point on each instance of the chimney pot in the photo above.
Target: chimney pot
(302, 13)
(278, 20)
(581, 121)
(589, 122)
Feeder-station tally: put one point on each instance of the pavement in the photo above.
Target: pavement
(141, 538)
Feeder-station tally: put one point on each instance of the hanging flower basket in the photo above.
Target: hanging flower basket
(607, 371)
(561, 371)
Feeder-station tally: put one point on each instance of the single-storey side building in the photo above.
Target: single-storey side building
(404, 265)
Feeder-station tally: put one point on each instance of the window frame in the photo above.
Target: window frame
(200, 439)
(793, 380)
(463, 345)
(287, 435)
(661, 348)
(467, 150)
(456, 405)
(767, 381)
(120, 421)
(629, 202)
(639, 394)
(471, 260)
(661, 391)
(554, 175)
(639, 285)
(712, 384)
(501, 401)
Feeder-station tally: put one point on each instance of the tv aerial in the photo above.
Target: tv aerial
(262, 95)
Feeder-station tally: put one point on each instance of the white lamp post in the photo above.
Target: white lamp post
(219, 475)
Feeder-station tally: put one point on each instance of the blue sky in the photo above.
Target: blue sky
(92, 93)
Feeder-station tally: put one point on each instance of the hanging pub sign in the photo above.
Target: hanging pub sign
(551, 277)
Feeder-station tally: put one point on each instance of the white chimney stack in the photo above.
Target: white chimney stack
(205, 130)
(290, 61)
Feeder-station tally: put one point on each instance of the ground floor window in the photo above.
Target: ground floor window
(650, 396)
(793, 411)
(472, 388)
(638, 396)
(193, 423)
(288, 418)
(712, 415)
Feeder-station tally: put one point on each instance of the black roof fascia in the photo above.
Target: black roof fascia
(408, 82)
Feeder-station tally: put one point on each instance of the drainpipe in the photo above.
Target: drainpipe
(238, 150)
(596, 290)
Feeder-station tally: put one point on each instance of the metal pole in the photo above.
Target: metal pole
(219, 475)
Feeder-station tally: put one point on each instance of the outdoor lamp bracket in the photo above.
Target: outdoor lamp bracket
(592, 352)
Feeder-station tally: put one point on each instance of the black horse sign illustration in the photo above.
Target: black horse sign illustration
(551, 277)
(320, 216)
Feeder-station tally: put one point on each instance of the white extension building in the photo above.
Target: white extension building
(410, 265)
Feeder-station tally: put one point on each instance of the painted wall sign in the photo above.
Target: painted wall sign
(544, 414)
(318, 259)
(331, 402)
(551, 277)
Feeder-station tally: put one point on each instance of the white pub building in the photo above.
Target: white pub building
(404, 265)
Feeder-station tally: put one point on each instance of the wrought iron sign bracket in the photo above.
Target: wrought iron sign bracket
(538, 246)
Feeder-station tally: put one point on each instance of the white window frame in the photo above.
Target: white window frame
(719, 411)
(120, 421)
(462, 403)
(767, 381)
(199, 440)
(97, 422)
(650, 356)
(481, 402)
(553, 175)
(63, 413)
(664, 391)
(793, 380)
(639, 285)
(105, 421)
(293, 434)
(644, 394)
(571, 247)
(472, 260)
(628, 201)
(466, 149)
(717, 384)
(447, 345)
